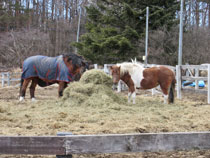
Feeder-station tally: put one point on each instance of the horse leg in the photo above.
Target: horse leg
(62, 86)
(134, 97)
(23, 89)
(132, 94)
(171, 91)
(168, 90)
(21, 85)
(32, 88)
(129, 97)
(165, 88)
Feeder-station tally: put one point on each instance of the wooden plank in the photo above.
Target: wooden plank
(32, 145)
(137, 143)
(200, 67)
(201, 91)
(15, 79)
(194, 78)
(113, 143)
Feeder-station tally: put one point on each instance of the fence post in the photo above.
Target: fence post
(2, 79)
(8, 78)
(208, 83)
(95, 66)
(153, 91)
(106, 70)
(196, 81)
(64, 134)
(179, 81)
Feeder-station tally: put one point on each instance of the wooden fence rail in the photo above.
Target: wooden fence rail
(95, 144)
(196, 78)
(8, 77)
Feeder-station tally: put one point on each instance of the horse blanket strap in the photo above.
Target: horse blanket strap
(46, 68)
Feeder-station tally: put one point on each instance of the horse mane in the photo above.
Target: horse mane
(128, 67)
(76, 59)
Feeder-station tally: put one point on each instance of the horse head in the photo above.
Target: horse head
(115, 72)
(84, 67)
(76, 64)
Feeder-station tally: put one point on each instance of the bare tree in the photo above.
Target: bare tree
(16, 46)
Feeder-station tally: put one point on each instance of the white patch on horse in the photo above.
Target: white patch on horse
(135, 70)
(165, 98)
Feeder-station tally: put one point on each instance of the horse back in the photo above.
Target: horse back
(166, 72)
(154, 76)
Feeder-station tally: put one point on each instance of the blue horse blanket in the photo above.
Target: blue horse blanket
(49, 69)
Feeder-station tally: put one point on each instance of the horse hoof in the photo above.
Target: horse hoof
(33, 99)
(21, 99)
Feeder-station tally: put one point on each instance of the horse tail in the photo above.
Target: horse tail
(171, 91)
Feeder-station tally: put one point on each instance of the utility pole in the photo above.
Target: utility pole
(180, 34)
(146, 38)
(78, 27)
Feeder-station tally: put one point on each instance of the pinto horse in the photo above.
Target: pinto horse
(136, 76)
(45, 71)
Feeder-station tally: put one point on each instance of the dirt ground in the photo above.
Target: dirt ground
(48, 115)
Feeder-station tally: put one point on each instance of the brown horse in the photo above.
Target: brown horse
(45, 71)
(136, 76)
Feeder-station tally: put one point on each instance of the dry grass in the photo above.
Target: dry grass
(50, 115)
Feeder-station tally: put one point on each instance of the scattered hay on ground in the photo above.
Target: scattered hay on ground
(47, 117)
(93, 89)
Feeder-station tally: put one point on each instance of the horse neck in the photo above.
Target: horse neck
(127, 79)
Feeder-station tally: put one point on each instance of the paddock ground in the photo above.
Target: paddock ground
(48, 116)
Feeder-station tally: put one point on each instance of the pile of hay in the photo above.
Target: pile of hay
(93, 89)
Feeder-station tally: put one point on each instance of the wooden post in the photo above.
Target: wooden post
(196, 75)
(64, 134)
(153, 91)
(8, 78)
(95, 66)
(106, 70)
(179, 81)
(2, 79)
(208, 84)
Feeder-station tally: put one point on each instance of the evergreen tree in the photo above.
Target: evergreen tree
(114, 27)
(13, 15)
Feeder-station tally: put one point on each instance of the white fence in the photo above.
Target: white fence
(192, 77)
(7, 78)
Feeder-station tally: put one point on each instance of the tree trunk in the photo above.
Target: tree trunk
(209, 15)
(197, 16)
(29, 14)
(43, 12)
(67, 9)
(17, 11)
(53, 7)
